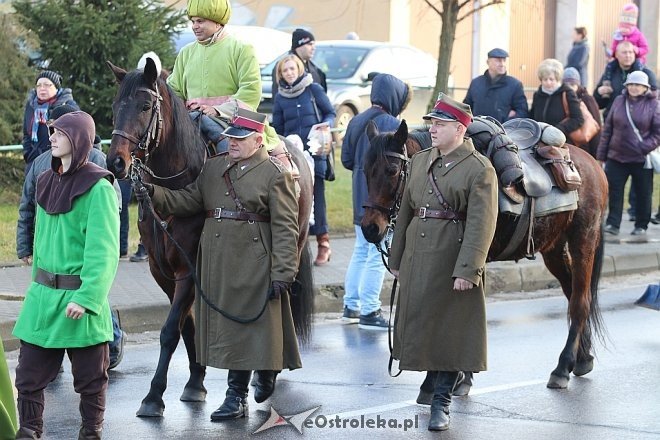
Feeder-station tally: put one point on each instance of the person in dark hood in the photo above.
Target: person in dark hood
(365, 273)
(47, 95)
(74, 264)
(26, 213)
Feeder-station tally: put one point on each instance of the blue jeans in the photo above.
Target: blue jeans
(116, 336)
(320, 215)
(124, 222)
(211, 131)
(364, 276)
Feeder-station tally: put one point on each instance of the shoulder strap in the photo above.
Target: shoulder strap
(316, 109)
(632, 124)
(437, 192)
(232, 193)
(564, 103)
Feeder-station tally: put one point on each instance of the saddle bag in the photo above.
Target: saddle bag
(562, 167)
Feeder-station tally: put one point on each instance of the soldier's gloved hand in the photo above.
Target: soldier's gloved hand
(143, 190)
(278, 288)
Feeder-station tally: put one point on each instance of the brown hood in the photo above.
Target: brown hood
(55, 190)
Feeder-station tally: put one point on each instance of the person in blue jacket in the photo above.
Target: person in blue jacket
(365, 273)
(300, 103)
(495, 93)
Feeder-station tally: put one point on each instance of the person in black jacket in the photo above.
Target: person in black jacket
(495, 93)
(303, 46)
(548, 101)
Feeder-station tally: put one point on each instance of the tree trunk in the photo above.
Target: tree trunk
(447, 36)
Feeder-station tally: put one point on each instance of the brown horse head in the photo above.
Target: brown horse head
(144, 112)
(385, 169)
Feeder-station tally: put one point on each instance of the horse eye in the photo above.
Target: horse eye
(146, 106)
(392, 170)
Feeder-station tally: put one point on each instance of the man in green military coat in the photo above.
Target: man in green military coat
(442, 235)
(246, 261)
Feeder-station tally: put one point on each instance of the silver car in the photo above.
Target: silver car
(350, 65)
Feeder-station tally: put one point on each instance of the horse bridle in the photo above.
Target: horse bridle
(392, 211)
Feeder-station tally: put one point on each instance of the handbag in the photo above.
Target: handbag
(652, 160)
(330, 154)
(588, 130)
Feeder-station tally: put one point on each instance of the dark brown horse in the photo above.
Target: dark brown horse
(154, 136)
(571, 242)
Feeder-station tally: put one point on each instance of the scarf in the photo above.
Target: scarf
(549, 91)
(40, 115)
(294, 90)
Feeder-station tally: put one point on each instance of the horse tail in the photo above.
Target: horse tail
(595, 320)
(302, 297)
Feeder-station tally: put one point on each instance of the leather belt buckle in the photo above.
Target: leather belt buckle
(422, 213)
(217, 212)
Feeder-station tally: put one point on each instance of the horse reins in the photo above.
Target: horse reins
(392, 211)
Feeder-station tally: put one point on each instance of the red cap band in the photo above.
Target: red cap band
(240, 121)
(459, 115)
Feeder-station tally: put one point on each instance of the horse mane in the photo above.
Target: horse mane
(184, 135)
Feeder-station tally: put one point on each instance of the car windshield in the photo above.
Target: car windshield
(339, 62)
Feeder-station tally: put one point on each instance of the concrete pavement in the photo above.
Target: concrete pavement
(143, 306)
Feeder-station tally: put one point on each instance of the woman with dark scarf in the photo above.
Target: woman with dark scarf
(46, 95)
(299, 104)
(66, 306)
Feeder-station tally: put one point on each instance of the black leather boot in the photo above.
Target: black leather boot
(463, 386)
(89, 434)
(444, 387)
(265, 384)
(235, 404)
(425, 396)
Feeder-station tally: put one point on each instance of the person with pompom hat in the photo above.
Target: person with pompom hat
(47, 94)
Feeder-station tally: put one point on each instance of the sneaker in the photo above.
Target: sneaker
(350, 316)
(613, 230)
(655, 220)
(123, 256)
(373, 321)
(140, 255)
(638, 231)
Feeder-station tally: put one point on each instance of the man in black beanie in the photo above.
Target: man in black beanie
(303, 45)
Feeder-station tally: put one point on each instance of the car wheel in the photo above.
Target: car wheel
(344, 115)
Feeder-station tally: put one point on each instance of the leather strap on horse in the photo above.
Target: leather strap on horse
(450, 213)
(389, 330)
(524, 228)
(219, 213)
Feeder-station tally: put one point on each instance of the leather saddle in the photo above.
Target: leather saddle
(526, 133)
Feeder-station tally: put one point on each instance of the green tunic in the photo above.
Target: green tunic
(83, 241)
(438, 328)
(8, 425)
(238, 260)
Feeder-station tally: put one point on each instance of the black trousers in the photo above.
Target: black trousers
(642, 184)
(38, 366)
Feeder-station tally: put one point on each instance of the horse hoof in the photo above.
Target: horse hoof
(150, 409)
(557, 382)
(462, 390)
(582, 368)
(193, 394)
(424, 398)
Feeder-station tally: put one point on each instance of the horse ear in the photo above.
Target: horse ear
(118, 71)
(372, 130)
(151, 72)
(401, 134)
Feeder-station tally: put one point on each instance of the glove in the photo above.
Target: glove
(143, 190)
(278, 288)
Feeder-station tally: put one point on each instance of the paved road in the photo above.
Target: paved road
(345, 374)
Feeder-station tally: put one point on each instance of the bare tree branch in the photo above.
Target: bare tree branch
(432, 6)
(467, 14)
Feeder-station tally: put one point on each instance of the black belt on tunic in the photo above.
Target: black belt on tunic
(439, 214)
(237, 215)
(58, 281)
